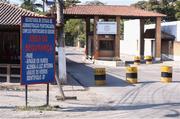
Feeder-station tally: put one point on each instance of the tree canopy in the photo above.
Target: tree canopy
(7, 1)
(95, 2)
(31, 5)
(68, 3)
(169, 7)
(74, 28)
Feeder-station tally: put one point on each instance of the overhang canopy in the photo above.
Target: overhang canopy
(11, 14)
(109, 10)
(150, 33)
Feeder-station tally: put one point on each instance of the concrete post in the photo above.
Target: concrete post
(8, 73)
(117, 39)
(141, 42)
(158, 39)
(95, 38)
(87, 32)
(60, 38)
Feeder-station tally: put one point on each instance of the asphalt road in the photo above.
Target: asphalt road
(147, 99)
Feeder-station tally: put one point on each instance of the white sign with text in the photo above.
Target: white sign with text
(106, 28)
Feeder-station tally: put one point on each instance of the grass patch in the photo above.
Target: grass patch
(38, 108)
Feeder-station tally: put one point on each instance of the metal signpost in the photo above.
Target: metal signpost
(37, 52)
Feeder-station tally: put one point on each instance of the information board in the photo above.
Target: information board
(50, 2)
(106, 27)
(37, 50)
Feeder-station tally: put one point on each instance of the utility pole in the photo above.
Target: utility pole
(61, 51)
(60, 34)
(43, 6)
(62, 78)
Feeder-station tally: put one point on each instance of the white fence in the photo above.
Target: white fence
(7, 71)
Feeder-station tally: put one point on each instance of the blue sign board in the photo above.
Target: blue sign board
(37, 50)
(50, 2)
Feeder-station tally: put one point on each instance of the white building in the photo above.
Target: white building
(170, 39)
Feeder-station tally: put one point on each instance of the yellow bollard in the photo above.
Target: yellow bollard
(100, 76)
(148, 59)
(137, 60)
(166, 74)
(131, 75)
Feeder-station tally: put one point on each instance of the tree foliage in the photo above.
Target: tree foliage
(69, 3)
(169, 7)
(95, 2)
(6, 1)
(74, 29)
(31, 5)
(177, 8)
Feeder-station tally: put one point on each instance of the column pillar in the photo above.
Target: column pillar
(158, 39)
(87, 32)
(141, 41)
(95, 39)
(117, 39)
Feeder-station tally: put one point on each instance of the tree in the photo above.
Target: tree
(6, 1)
(31, 5)
(69, 3)
(141, 4)
(95, 2)
(74, 29)
(168, 7)
(177, 8)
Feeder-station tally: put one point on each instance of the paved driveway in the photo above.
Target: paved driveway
(148, 99)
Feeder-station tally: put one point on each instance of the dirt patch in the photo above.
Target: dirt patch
(18, 87)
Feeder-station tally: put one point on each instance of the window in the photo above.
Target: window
(9, 47)
(106, 45)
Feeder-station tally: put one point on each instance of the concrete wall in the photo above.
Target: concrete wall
(177, 51)
(178, 31)
(147, 48)
(129, 45)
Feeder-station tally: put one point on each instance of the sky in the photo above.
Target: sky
(108, 2)
(115, 2)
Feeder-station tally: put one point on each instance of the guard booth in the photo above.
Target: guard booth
(105, 38)
(106, 46)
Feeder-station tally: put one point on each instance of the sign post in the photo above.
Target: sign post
(26, 94)
(37, 51)
(47, 99)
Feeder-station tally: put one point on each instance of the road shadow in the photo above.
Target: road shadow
(151, 82)
(74, 54)
(147, 82)
(8, 107)
(84, 75)
(124, 107)
(173, 114)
